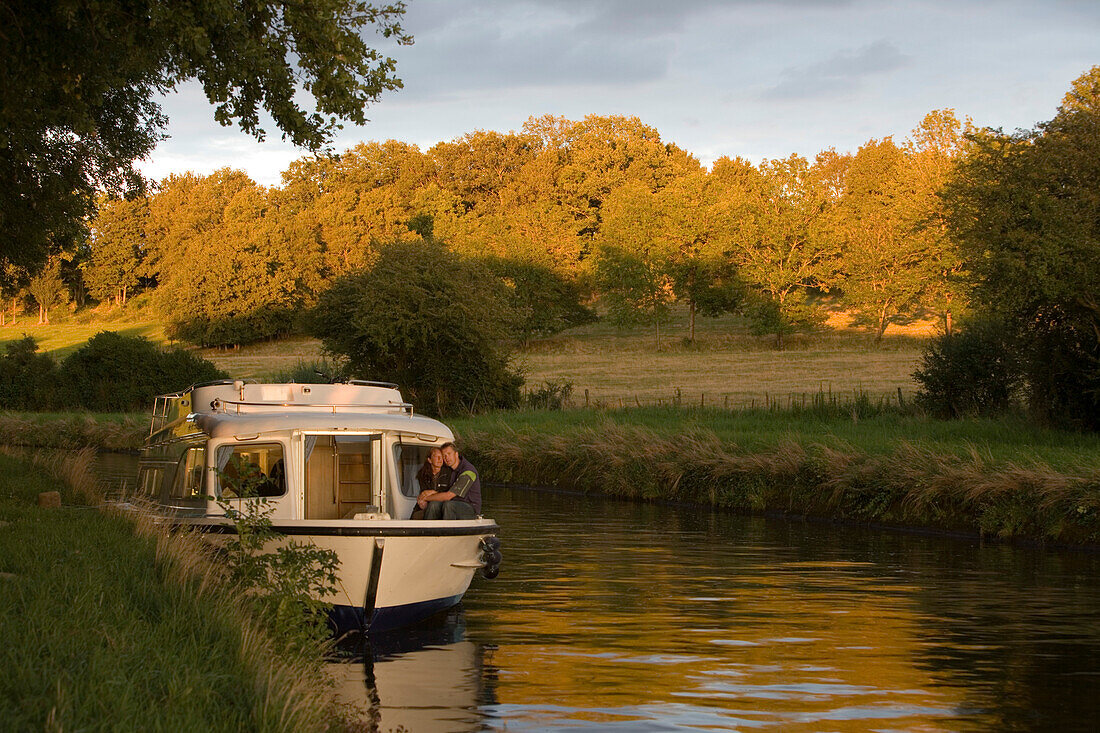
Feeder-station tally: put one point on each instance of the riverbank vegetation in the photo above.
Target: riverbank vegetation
(856, 459)
(110, 622)
(852, 461)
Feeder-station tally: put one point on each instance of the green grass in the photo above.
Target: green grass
(1000, 478)
(102, 633)
(61, 339)
(1002, 440)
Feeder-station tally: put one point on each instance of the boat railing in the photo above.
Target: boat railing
(161, 409)
(235, 405)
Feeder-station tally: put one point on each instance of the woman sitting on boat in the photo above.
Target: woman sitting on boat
(462, 499)
(433, 476)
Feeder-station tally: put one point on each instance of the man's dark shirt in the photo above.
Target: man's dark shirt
(466, 485)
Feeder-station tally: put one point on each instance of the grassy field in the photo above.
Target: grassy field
(108, 625)
(726, 366)
(876, 432)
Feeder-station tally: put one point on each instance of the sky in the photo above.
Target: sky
(758, 79)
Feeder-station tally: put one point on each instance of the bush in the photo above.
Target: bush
(29, 381)
(116, 373)
(320, 371)
(974, 372)
(554, 394)
(424, 317)
(262, 324)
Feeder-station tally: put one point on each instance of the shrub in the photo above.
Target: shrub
(320, 371)
(263, 323)
(425, 318)
(116, 373)
(554, 394)
(28, 380)
(974, 372)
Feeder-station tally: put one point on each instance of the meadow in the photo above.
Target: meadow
(725, 366)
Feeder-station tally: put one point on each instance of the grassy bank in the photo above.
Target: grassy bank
(108, 624)
(999, 478)
(73, 431)
(858, 460)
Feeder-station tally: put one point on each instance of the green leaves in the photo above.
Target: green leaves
(434, 322)
(77, 109)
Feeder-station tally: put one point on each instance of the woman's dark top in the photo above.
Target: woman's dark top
(440, 482)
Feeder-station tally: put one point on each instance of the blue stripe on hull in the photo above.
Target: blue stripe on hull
(353, 618)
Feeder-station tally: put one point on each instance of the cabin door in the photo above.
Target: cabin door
(343, 475)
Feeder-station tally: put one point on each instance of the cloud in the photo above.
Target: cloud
(841, 72)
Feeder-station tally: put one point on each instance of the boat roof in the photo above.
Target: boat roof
(225, 425)
(234, 408)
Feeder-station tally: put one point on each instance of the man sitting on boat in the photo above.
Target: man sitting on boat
(462, 499)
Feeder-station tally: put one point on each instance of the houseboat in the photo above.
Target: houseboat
(337, 463)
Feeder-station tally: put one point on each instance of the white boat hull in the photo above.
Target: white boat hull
(391, 573)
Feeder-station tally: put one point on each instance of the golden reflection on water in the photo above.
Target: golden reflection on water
(613, 616)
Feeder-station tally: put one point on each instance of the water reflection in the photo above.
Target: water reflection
(639, 617)
(428, 678)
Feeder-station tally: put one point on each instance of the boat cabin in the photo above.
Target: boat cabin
(315, 451)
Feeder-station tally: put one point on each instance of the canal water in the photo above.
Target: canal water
(610, 615)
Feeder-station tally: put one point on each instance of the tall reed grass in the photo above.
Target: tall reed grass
(908, 485)
(73, 431)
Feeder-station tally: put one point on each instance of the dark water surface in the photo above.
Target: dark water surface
(616, 616)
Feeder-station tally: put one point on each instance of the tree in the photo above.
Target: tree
(695, 234)
(932, 151)
(542, 301)
(77, 104)
(1025, 211)
(47, 288)
(632, 264)
(428, 319)
(117, 248)
(225, 274)
(884, 259)
(779, 243)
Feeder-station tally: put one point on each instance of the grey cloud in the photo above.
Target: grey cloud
(841, 72)
(553, 43)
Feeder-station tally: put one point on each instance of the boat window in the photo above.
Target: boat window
(189, 472)
(409, 459)
(251, 470)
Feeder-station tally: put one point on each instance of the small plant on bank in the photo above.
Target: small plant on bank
(554, 394)
(285, 582)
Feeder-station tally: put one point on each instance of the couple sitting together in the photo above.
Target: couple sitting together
(449, 486)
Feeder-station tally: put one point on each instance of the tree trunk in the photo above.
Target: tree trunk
(948, 325)
(657, 334)
(883, 322)
(692, 338)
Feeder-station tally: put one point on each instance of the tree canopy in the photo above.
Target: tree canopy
(1025, 209)
(428, 319)
(78, 102)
